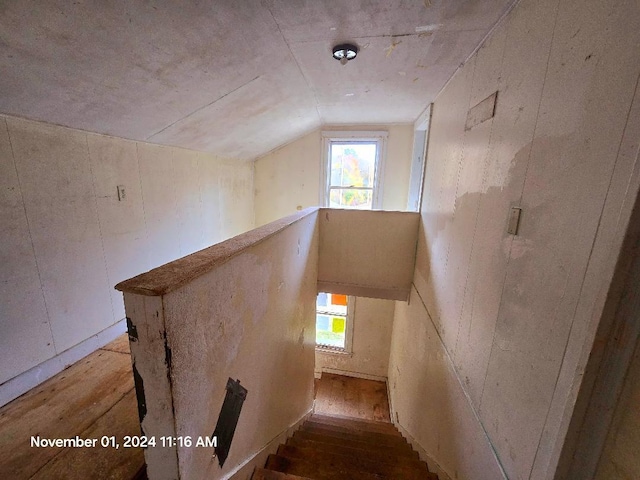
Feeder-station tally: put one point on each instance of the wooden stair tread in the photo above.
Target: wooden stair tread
(336, 448)
(264, 474)
(358, 424)
(400, 450)
(354, 431)
(365, 454)
(324, 471)
(365, 437)
(341, 461)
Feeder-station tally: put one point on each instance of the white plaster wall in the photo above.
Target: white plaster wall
(289, 177)
(66, 239)
(242, 309)
(429, 402)
(620, 456)
(371, 346)
(252, 319)
(517, 314)
(367, 253)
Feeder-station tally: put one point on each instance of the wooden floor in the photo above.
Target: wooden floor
(92, 398)
(95, 397)
(352, 397)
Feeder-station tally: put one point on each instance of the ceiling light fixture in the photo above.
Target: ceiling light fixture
(345, 52)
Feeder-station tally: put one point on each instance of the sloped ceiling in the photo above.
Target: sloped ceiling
(235, 78)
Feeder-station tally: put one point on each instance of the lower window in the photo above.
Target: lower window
(334, 321)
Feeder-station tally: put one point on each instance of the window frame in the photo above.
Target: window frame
(377, 137)
(346, 136)
(348, 332)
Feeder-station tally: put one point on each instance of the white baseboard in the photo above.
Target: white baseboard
(392, 411)
(433, 465)
(245, 470)
(347, 373)
(21, 384)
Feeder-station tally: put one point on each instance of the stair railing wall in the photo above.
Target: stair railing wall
(244, 309)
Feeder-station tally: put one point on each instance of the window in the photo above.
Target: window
(352, 167)
(333, 321)
(351, 172)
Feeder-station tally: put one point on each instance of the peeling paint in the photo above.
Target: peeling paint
(428, 28)
(392, 47)
(233, 319)
(521, 248)
(142, 402)
(132, 331)
(167, 356)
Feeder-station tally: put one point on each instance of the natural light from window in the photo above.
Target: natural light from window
(331, 320)
(352, 174)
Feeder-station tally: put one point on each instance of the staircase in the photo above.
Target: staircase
(332, 448)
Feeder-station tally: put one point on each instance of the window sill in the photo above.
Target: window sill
(333, 351)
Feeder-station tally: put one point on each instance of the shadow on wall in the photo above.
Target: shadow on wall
(458, 283)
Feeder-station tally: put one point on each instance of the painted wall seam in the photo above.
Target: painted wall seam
(625, 208)
(174, 192)
(97, 213)
(484, 176)
(460, 164)
(464, 390)
(33, 248)
(144, 210)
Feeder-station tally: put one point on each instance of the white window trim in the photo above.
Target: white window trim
(421, 133)
(380, 137)
(348, 334)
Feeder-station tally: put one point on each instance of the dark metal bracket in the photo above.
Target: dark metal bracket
(228, 418)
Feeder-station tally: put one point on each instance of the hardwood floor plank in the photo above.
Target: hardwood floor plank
(62, 407)
(338, 394)
(101, 463)
(120, 345)
(352, 397)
